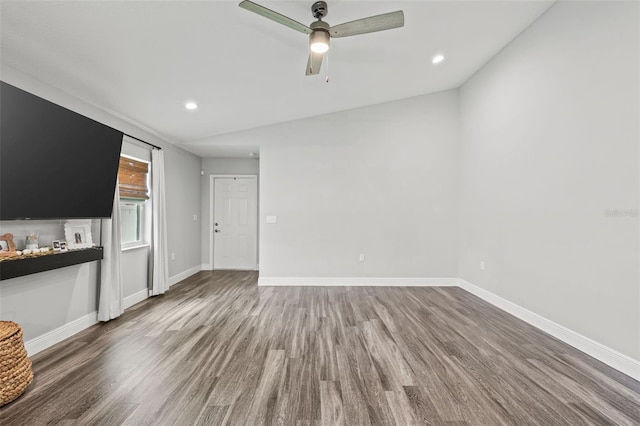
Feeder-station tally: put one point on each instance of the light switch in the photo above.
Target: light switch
(195, 217)
(272, 219)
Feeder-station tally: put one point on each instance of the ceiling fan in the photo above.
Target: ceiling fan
(320, 32)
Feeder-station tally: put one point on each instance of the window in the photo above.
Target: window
(133, 178)
(131, 221)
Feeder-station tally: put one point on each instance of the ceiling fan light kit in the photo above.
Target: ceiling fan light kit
(320, 32)
(319, 41)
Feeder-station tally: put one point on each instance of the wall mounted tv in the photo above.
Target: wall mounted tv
(54, 163)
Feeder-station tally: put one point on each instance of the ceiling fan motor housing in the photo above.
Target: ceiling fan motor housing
(319, 9)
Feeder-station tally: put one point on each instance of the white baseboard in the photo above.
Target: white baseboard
(611, 357)
(135, 298)
(49, 339)
(185, 274)
(357, 282)
(255, 268)
(209, 267)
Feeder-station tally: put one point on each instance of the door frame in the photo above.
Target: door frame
(212, 194)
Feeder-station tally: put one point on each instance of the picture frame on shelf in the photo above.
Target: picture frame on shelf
(7, 246)
(63, 246)
(55, 244)
(78, 234)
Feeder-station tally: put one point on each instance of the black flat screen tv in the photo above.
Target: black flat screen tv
(54, 163)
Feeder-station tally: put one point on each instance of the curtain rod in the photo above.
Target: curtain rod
(145, 142)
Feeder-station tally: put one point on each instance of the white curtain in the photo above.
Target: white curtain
(160, 264)
(110, 305)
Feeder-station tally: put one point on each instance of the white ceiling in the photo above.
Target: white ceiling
(145, 59)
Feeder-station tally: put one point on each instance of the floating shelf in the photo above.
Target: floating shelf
(33, 265)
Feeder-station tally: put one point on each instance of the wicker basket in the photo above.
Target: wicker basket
(15, 366)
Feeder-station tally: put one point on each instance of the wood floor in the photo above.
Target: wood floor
(217, 349)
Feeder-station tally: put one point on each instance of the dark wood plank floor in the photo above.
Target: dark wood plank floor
(217, 349)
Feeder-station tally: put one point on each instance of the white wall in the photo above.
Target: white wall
(378, 180)
(135, 271)
(183, 186)
(29, 300)
(219, 166)
(549, 144)
(44, 302)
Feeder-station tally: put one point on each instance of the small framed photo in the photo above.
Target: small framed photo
(7, 247)
(63, 246)
(78, 234)
(56, 245)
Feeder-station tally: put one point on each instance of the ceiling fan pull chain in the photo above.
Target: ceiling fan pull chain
(327, 79)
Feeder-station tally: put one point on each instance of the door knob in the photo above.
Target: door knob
(216, 230)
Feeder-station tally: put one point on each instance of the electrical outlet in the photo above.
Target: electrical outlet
(272, 219)
(361, 257)
(173, 256)
(482, 265)
(195, 217)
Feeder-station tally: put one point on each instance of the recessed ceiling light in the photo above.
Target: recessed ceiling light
(191, 105)
(437, 59)
(252, 154)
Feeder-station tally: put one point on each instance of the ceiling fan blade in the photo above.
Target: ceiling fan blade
(314, 63)
(386, 21)
(274, 16)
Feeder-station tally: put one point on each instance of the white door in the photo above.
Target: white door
(235, 223)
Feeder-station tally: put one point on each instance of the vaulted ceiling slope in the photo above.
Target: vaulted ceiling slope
(145, 59)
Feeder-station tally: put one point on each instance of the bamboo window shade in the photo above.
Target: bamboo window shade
(132, 176)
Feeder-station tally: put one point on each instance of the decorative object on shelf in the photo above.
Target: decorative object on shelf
(78, 234)
(56, 245)
(63, 246)
(7, 247)
(31, 241)
(15, 366)
(26, 253)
